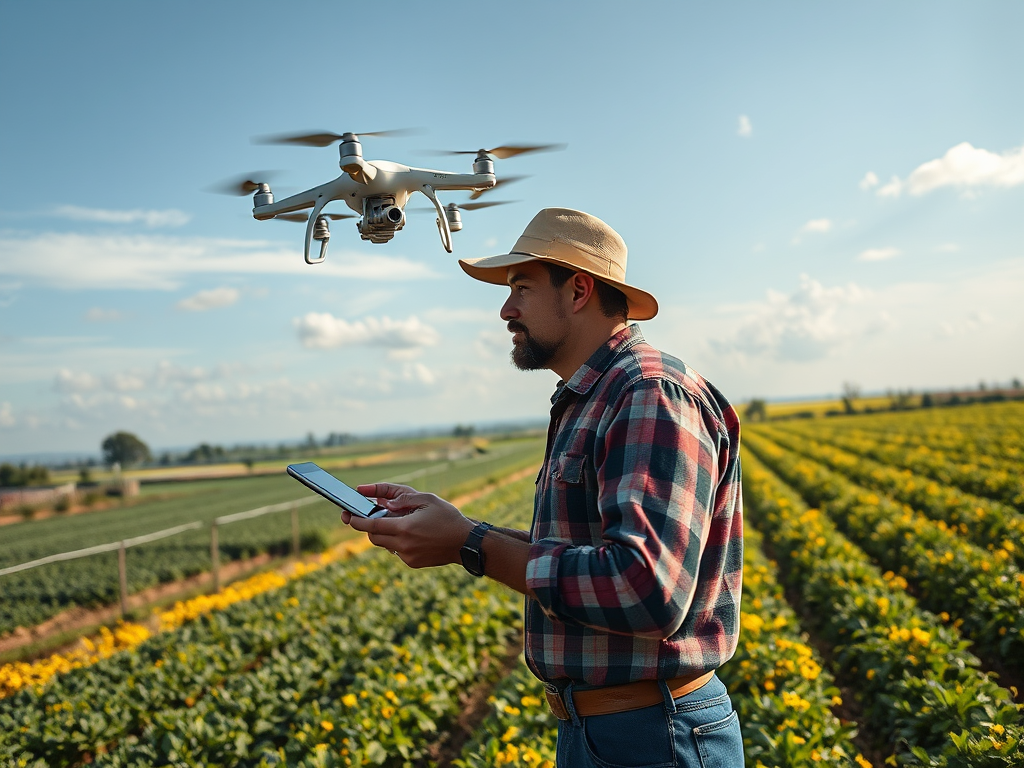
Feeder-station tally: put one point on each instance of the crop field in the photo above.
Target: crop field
(32, 596)
(882, 624)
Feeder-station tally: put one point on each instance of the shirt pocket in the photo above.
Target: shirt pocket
(568, 468)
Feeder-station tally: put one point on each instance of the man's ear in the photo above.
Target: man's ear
(582, 290)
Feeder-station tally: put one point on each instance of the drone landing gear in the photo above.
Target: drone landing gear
(443, 227)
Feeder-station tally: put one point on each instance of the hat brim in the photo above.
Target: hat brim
(494, 270)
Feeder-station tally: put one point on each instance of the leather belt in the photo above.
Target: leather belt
(621, 698)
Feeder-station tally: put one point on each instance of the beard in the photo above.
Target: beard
(531, 355)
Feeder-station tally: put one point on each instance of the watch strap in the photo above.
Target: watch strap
(472, 551)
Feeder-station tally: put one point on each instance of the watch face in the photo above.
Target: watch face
(472, 561)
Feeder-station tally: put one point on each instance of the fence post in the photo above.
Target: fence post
(295, 530)
(122, 572)
(215, 557)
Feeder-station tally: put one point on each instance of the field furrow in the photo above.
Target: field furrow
(979, 592)
(920, 688)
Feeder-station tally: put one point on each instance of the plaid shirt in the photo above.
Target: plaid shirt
(637, 540)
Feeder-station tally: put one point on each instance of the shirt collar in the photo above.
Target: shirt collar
(588, 374)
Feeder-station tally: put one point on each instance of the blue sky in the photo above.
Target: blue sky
(816, 193)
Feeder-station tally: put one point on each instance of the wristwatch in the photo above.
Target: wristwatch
(472, 552)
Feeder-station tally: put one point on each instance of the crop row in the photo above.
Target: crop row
(981, 591)
(919, 688)
(996, 480)
(990, 433)
(988, 523)
(31, 597)
(365, 658)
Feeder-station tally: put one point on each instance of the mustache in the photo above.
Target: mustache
(514, 326)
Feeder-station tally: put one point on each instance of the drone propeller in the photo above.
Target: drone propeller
(506, 180)
(304, 217)
(326, 138)
(242, 185)
(504, 152)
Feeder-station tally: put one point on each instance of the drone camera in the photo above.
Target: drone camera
(381, 219)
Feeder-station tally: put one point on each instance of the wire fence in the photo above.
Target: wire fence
(122, 546)
(125, 544)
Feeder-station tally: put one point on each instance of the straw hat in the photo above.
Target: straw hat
(572, 239)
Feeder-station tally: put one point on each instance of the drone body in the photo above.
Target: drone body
(377, 191)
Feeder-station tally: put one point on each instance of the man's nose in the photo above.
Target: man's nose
(508, 310)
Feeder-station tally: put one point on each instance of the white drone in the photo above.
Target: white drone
(376, 190)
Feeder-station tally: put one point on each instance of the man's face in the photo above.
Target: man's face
(536, 313)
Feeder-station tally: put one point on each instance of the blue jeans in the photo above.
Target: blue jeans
(699, 730)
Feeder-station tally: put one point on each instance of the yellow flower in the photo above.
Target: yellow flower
(510, 734)
(327, 725)
(387, 712)
(349, 699)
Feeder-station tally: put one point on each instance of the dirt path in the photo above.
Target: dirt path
(87, 618)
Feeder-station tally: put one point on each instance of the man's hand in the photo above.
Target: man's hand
(421, 528)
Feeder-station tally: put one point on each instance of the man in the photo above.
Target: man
(632, 568)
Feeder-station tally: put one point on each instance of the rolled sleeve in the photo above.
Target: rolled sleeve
(542, 574)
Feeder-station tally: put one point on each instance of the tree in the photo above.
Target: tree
(204, 453)
(17, 477)
(756, 410)
(125, 449)
(463, 430)
(851, 392)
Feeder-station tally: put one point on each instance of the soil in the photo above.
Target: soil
(474, 710)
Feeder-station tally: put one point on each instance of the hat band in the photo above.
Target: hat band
(571, 253)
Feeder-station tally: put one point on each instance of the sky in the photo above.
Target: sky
(817, 194)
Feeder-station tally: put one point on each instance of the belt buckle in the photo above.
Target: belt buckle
(555, 702)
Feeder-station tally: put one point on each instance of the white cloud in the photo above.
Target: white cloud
(156, 262)
(963, 166)
(70, 382)
(418, 373)
(893, 189)
(817, 225)
(947, 248)
(744, 129)
(321, 330)
(798, 326)
(209, 299)
(812, 226)
(870, 180)
(168, 218)
(100, 315)
(7, 415)
(879, 254)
